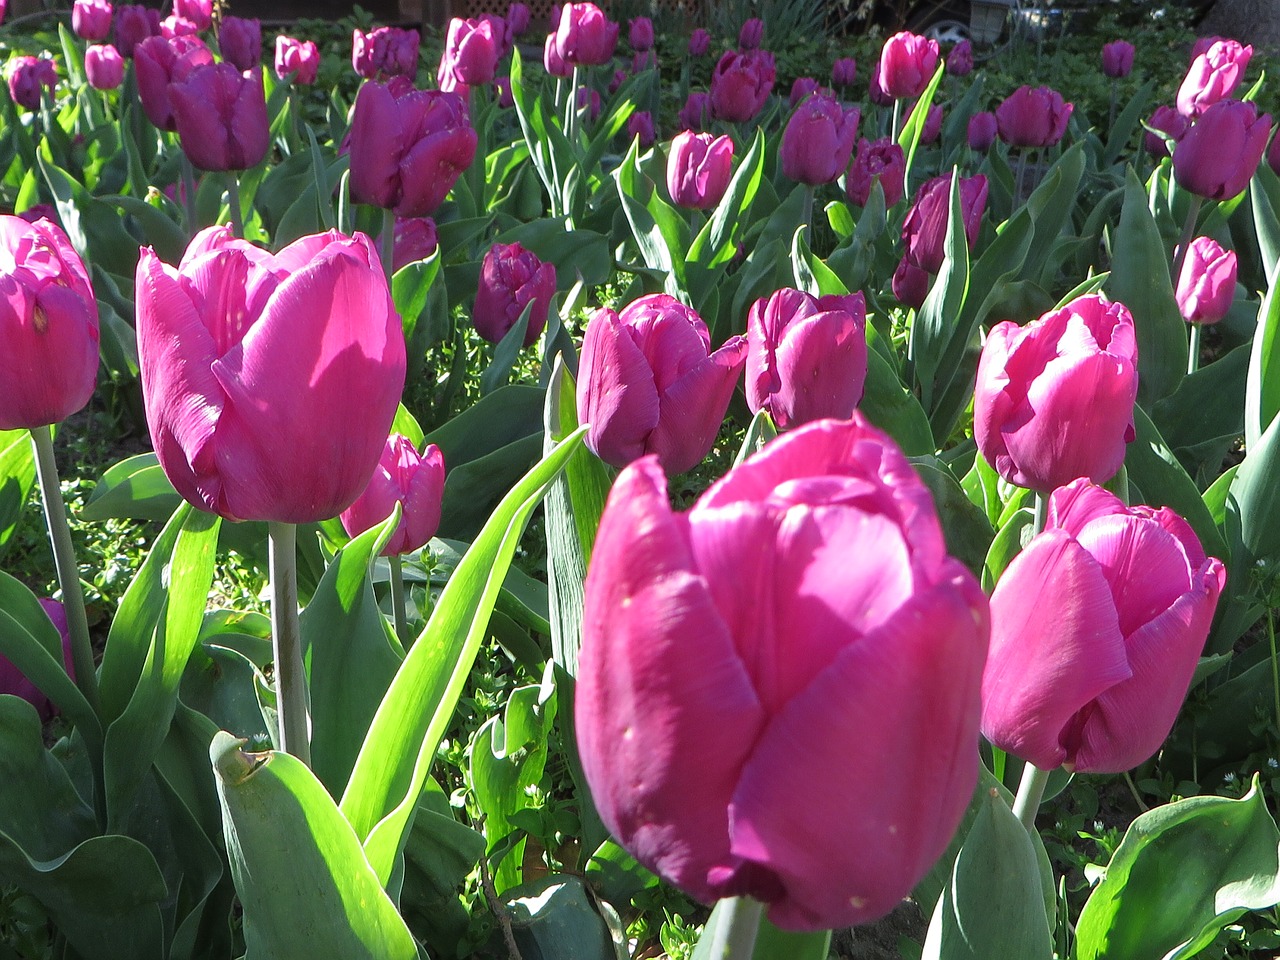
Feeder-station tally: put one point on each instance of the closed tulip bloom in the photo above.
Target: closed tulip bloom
(809, 589)
(649, 383)
(698, 169)
(240, 42)
(741, 84)
(644, 60)
(1097, 626)
(161, 62)
(518, 18)
(91, 19)
(471, 53)
(300, 56)
(875, 93)
(1221, 151)
(510, 278)
(1033, 117)
(29, 77)
(270, 381)
(907, 64)
(49, 326)
(176, 26)
(699, 43)
(982, 131)
(585, 36)
(199, 12)
(817, 143)
(1214, 76)
(932, 129)
(385, 52)
(960, 59)
(844, 72)
(910, 284)
(103, 66)
(696, 112)
(413, 480)
(407, 152)
(14, 683)
(640, 124)
(415, 239)
(640, 33)
(221, 115)
(1117, 59)
(802, 87)
(589, 101)
(552, 62)
(135, 23)
(1207, 284)
(1054, 399)
(40, 211)
(751, 35)
(1168, 120)
(806, 360)
(925, 229)
(877, 158)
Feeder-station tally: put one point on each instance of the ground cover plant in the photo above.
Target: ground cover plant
(710, 492)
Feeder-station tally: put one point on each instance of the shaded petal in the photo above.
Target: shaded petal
(1144, 564)
(822, 361)
(616, 395)
(693, 407)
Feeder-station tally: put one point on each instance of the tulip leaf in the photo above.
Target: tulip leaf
(574, 251)
(93, 226)
(135, 488)
(1265, 198)
(557, 917)
(159, 231)
(1050, 206)
(894, 409)
(1254, 495)
(759, 432)
(714, 245)
(1127, 121)
(17, 478)
(1182, 872)
(909, 136)
(965, 527)
(401, 744)
(507, 352)
(934, 324)
(303, 881)
(1262, 385)
(1140, 280)
(660, 232)
(1205, 416)
(1013, 535)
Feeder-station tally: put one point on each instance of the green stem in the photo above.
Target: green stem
(388, 242)
(64, 558)
(735, 934)
(807, 216)
(233, 201)
(292, 705)
(1030, 791)
(1193, 352)
(897, 112)
(1188, 231)
(189, 189)
(1017, 180)
(571, 112)
(398, 605)
(1275, 663)
(1041, 512)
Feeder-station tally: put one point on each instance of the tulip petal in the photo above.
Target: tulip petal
(616, 396)
(377, 144)
(823, 363)
(1144, 564)
(694, 406)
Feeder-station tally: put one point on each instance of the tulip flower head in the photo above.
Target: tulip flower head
(1117, 59)
(931, 132)
(809, 589)
(696, 112)
(907, 64)
(176, 26)
(385, 52)
(800, 89)
(552, 62)
(910, 284)
(751, 35)
(1097, 626)
(270, 381)
(640, 34)
(1033, 117)
(471, 53)
(240, 42)
(875, 93)
(1166, 120)
(134, 23)
(585, 36)
(817, 143)
(741, 84)
(1207, 284)
(698, 169)
(199, 12)
(91, 19)
(1214, 76)
(103, 66)
(960, 59)
(510, 278)
(844, 72)
(413, 480)
(221, 116)
(29, 77)
(982, 131)
(161, 62)
(877, 158)
(1054, 399)
(1221, 151)
(297, 56)
(415, 239)
(699, 43)
(925, 229)
(640, 124)
(518, 18)
(14, 683)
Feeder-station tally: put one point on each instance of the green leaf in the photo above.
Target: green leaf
(92, 226)
(135, 488)
(1012, 536)
(507, 352)
(966, 528)
(759, 432)
(1262, 386)
(305, 886)
(894, 409)
(556, 918)
(909, 136)
(714, 244)
(1265, 198)
(1254, 495)
(1183, 872)
(17, 478)
(935, 321)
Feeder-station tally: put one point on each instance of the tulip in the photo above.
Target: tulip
(135, 23)
(925, 229)
(875, 93)
(585, 36)
(644, 60)
(413, 480)
(1207, 284)
(741, 84)
(103, 66)
(91, 19)
(1220, 152)
(300, 57)
(877, 158)
(385, 52)
(640, 124)
(13, 682)
(1117, 59)
(960, 59)
(751, 35)
(160, 62)
(801, 88)
(49, 327)
(588, 100)
(270, 381)
(408, 151)
(415, 238)
(1033, 117)
(1214, 76)
(1097, 626)
(808, 590)
(552, 62)
(199, 12)
(817, 143)
(696, 112)
(806, 359)
(910, 284)
(221, 115)
(619, 78)
(932, 129)
(1054, 399)
(907, 64)
(640, 34)
(28, 79)
(982, 131)
(844, 72)
(698, 169)
(240, 42)
(40, 211)
(1202, 45)
(176, 26)
(649, 383)
(471, 53)
(510, 278)
(1168, 120)
(699, 43)
(518, 18)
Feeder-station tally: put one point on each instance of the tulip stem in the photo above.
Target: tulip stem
(388, 242)
(398, 606)
(1184, 242)
(1017, 180)
(571, 112)
(64, 559)
(897, 112)
(1193, 351)
(189, 191)
(807, 216)
(286, 641)
(233, 202)
(735, 934)
(1041, 512)
(1030, 791)
(1275, 663)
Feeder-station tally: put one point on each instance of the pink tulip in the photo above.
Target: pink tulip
(875, 93)
(1096, 630)
(413, 480)
(518, 18)
(301, 56)
(1214, 76)
(221, 115)
(471, 53)
(982, 131)
(29, 77)
(160, 62)
(802, 87)
(91, 19)
(877, 158)
(925, 229)
(907, 64)
(698, 169)
(1207, 284)
(1117, 59)
(741, 84)
(817, 143)
(270, 381)
(240, 42)
(960, 59)
(415, 239)
(103, 66)
(385, 52)
(808, 590)
(510, 278)
(910, 284)
(1221, 151)
(1054, 399)
(844, 72)
(552, 62)
(1033, 118)
(199, 12)
(135, 23)
(751, 35)
(13, 682)
(176, 26)
(640, 34)
(1168, 120)
(585, 36)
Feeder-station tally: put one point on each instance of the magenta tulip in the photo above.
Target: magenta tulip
(640, 125)
(240, 42)
(135, 23)
(1202, 45)
(910, 284)
(512, 277)
(801, 88)
(640, 34)
(91, 19)
(1167, 120)
(696, 112)
(40, 211)
(741, 84)
(907, 64)
(518, 18)
(103, 66)
(931, 132)
(699, 43)
(385, 52)
(29, 77)
(698, 169)
(649, 383)
(585, 36)
(415, 239)
(13, 682)
(877, 158)
(199, 12)
(1097, 626)
(160, 62)
(751, 34)
(875, 93)
(413, 480)
(471, 53)
(221, 116)
(589, 102)
(1221, 151)
(1117, 59)
(960, 59)
(982, 131)
(844, 72)
(1054, 399)
(300, 57)
(552, 62)
(644, 60)
(925, 229)
(176, 26)
(817, 143)
(1033, 117)
(270, 381)
(1214, 76)
(1207, 284)
(809, 589)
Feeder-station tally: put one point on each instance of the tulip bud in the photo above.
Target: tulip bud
(809, 589)
(644, 60)
(511, 277)
(1168, 120)
(1054, 399)
(14, 683)
(805, 359)
(1097, 626)
(160, 62)
(1117, 59)
(29, 77)
(413, 480)
(1207, 284)
(1221, 151)
(199, 12)
(640, 124)
(907, 64)
(293, 362)
(471, 53)
(844, 72)
(640, 34)
(1214, 76)
(518, 18)
(407, 152)
(385, 52)
(91, 19)
(585, 36)
(925, 229)
(931, 132)
(696, 112)
(176, 26)
(40, 211)
(877, 158)
(49, 327)
(818, 141)
(910, 284)
(982, 131)
(649, 383)
(103, 66)
(240, 42)
(751, 35)
(221, 115)
(619, 78)
(297, 55)
(698, 169)
(135, 23)
(741, 84)
(801, 88)
(875, 93)
(588, 101)
(552, 62)
(960, 59)
(1033, 117)
(699, 43)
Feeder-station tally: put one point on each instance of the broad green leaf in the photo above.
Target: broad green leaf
(1265, 198)
(935, 320)
(1050, 206)
(1010, 538)
(1126, 123)
(438, 857)
(1254, 495)
(909, 136)
(136, 488)
(894, 409)
(759, 432)
(965, 526)
(1262, 386)
(17, 477)
(556, 916)
(507, 352)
